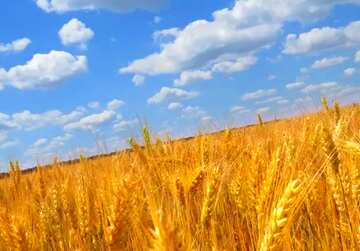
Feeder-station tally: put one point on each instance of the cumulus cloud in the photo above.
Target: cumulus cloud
(46, 146)
(227, 64)
(236, 65)
(295, 85)
(188, 77)
(349, 72)
(193, 112)
(326, 86)
(115, 104)
(75, 32)
(91, 121)
(44, 70)
(6, 122)
(79, 118)
(15, 46)
(301, 10)
(112, 5)
(138, 80)
(28, 121)
(327, 62)
(164, 36)
(323, 38)
(234, 32)
(258, 94)
(166, 93)
(174, 106)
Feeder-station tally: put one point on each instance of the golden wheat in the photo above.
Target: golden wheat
(284, 185)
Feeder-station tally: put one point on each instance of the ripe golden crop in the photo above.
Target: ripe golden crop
(285, 185)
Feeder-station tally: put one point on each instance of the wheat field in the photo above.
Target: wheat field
(286, 185)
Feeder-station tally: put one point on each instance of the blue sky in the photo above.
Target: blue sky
(83, 76)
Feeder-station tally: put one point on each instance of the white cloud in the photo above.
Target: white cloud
(239, 31)
(138, 80)
(174, 106)
(45, 70)
(258, 94)
(171, 93)
(6, 122)
(46, 147)
(15, 46)
(323, 38)
(263, 110)
(326, 86)
(327, 62)
(28, 121)
(81, 108)
(40, 142)
(9, 144)
(91, 121)
(94, 105)
(305, 103)
(193, 112)
(79, 118)
(357, 57)
(115, 104)
(61, 6)
(271, 100)
(124, 125)
(301, 10)
(239, 109)
(187, 77)
(202, 43)
(347, 91)
(345, 94)
(164, 36)
(349, 72)
(236, 65)
(75, 32)
(207, 119)
(295, 85)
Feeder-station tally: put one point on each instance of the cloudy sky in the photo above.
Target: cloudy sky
(84, 75)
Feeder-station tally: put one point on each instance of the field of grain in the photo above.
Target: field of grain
(285, 185)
